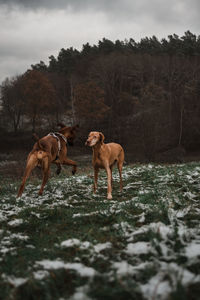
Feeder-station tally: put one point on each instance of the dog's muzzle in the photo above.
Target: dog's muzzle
(87, 143)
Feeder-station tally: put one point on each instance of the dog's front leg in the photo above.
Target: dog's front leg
(70, 162)
(109, 178)
(58, 165)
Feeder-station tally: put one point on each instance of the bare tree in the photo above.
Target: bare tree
(13, 101)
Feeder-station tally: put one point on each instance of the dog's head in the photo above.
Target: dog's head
(69, 132)
(94, 138)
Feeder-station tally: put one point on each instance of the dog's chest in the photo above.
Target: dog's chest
(97, 161)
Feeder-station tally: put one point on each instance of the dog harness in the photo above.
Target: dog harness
(57, 135)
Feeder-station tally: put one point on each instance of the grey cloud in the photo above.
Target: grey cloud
(179, 11)
(31, 30)
(61, 4)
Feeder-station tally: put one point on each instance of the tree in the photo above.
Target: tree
(67, 60)
(39, 94)
(189, 43)
(106, 46)
(41, 66)
(12, 100)
(61, 84)
(89, 101)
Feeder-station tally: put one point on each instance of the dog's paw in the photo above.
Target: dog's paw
(109, 196)
(58, 171)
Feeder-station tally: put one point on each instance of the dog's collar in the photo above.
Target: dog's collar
(61, 135)
(58, 134)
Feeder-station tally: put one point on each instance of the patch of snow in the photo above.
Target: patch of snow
(158, 227)
(57, 264)
(166, 251)
(149, 166)
(100, 247)
(14, 280)
(189, 195)
(30, 246)
(138, 248)
(58, 194)
(183, 212)
(192, 250)
(81, 293)
(156, 288)
(85, 245)
(70, 243)
(123, 268)
(85, 215)
(39, 275)
(19, 236)
(142, 218)
(178, 273)
(144, 192)
(15, 223)
(5, 250)
(2, 217)
(162, 229)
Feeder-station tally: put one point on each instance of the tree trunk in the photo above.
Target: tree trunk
(33, 123)
(72, 100)
(181, 126)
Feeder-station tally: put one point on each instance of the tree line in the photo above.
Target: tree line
(145, 95)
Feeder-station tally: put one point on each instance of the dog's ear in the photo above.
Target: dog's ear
(102, 137)
(35, 137)
(75, 127)
(61, 125)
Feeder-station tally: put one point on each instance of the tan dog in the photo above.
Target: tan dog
(105, 156)
(51, 148)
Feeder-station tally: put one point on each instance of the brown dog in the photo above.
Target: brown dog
(51, 148)
(105, 156)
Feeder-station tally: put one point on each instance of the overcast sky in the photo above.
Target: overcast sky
(32, 30)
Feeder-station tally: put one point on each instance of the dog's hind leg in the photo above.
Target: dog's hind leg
(58, 165)
(120, 165)
(46, 172)
(96, 171)
(30, 165)
(111, 169)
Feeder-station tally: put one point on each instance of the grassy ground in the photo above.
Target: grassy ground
(70, 244)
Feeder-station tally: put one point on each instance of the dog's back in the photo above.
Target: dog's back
(113, 152)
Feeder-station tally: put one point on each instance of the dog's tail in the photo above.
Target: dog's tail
(37, 139)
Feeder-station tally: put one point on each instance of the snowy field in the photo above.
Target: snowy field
(70, 244)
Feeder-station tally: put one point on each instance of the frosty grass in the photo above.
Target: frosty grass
(71, 244)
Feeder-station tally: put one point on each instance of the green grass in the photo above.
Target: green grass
(140, 245)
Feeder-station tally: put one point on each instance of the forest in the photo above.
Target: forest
(144, 95)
